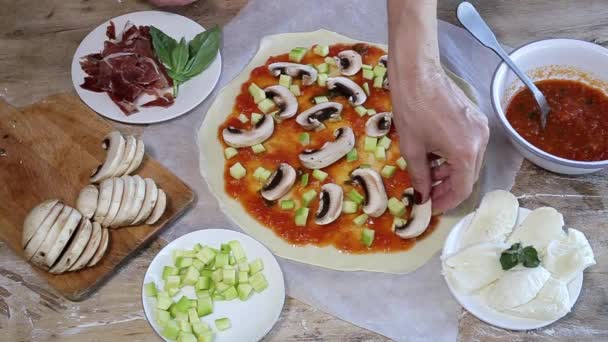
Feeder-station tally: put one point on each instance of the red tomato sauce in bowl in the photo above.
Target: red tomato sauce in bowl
(577, 126)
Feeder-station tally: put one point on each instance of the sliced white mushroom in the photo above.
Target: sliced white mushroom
(106, 188)
(375, 202)
(419, 218)
(159, 208)
(43, 249)
(63, 238)
(331, 151)
(128, 195)
(349, 62)
(279, 183)
(284, 99)
(348, 88)
(139, 156)
(330, 204)
(379, 124)
(237, 137)
(149, 202)
(101, 249)
(314, 116)
(384, 61)
(114, 143)
(127, 157)
(307, 73)
(42, 231)
(34, 219)
(117, 190)
(90, 249)
(75, 248)
(86, 203)
(138, 200)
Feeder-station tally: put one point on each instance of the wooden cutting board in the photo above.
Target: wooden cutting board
(48, 150)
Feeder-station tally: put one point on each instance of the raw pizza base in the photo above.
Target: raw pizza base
(211, 156)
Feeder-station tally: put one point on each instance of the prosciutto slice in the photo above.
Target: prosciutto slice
(127, 68)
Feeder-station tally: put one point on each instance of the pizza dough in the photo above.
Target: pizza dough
(211, 155)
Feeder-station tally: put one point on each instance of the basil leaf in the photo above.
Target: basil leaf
(179, 56)
(508, 260)
(163, 45)
(203, 49)
(181, 78)
(530, 257)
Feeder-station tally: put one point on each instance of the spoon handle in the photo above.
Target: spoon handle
(472, 22)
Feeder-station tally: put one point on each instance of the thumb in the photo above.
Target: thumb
(420, 172)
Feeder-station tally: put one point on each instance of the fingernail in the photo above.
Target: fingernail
(417, 197)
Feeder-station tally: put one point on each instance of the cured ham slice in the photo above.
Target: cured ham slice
(127, 68)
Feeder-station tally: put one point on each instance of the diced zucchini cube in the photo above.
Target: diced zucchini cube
(304, 180)
(191, 276)
(396, 207)
(169, 271)
(258, 148)
(304, 138)
(401, 163)
(379, 70)
(321, 50)
(385, 142)
(197, 264)
(329, 60)
(222, 324)
(243, 118)
(217, 297)
(243, 267)
(355, 196)
(366, 89)
(370, 144)
(203, 283)
(256, 117)
(221, 259)
(366, 67)
(349, 207)
(258, 282)
(171, 330)
(207, 336)
(230, 293)
(368, 74)
(217, 275)
(388, 171)
(183, 262)
(172, 282)
(205, 255)
(237, 171)
(173, 291)
(183, 304)
(322, 79)
(361, 110)
(319, 175)
(321, 99)
(380, 153)
(199, 327)
(301, 217)
(204, 306)
(367, 236)
(258, 93)
(229, 277)
(308, 197)
(371, 112)
(162, 317)
(297, 54)
(192, 315)
(267, 106)
(360, 220)
(179, 316)
(206, 272)
(150, 289)
(323, 68)
(352, 155)
(378, 82)
(230, 152)
(287, 204)
(237, 250)
(285, 81)
(256, 266)
(365, 166)
(243, 277)
(295, 90)
(245, 291)
(184, 326)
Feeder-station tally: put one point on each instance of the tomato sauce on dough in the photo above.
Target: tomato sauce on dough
(284, 147)
(577, 126)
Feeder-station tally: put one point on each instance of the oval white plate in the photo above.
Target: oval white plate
(251, 320)
(475, 303)
(190, 94)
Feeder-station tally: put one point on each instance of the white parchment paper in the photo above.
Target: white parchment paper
(412, 307)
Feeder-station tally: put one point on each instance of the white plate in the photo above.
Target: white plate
(478, 307)
(251, 320)
(190, 94)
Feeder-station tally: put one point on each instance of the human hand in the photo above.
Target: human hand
(434, 117)
(163, 3)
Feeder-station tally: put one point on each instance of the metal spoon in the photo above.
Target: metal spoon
(472, 22)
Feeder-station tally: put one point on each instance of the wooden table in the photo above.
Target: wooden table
(36, 45)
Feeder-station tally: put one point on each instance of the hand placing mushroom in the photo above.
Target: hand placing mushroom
(419, 217)
(261, 131)
(331, 151)
(349, 62)
(348, 88)
(313, 117)
(307, 73)
(58, 238)
(123, 156)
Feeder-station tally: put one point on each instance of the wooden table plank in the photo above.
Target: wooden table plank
(38, 39)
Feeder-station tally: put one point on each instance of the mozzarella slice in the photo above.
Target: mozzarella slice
(516, 287)
(493, 220)
(474, 267)
(551, 303)
(569, 256)
(540, 227)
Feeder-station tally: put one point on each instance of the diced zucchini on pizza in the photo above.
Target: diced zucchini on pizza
(223, 274)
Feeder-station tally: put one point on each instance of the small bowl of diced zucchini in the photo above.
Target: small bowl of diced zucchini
(213, 285)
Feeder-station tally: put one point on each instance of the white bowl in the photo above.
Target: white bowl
(550, 59)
